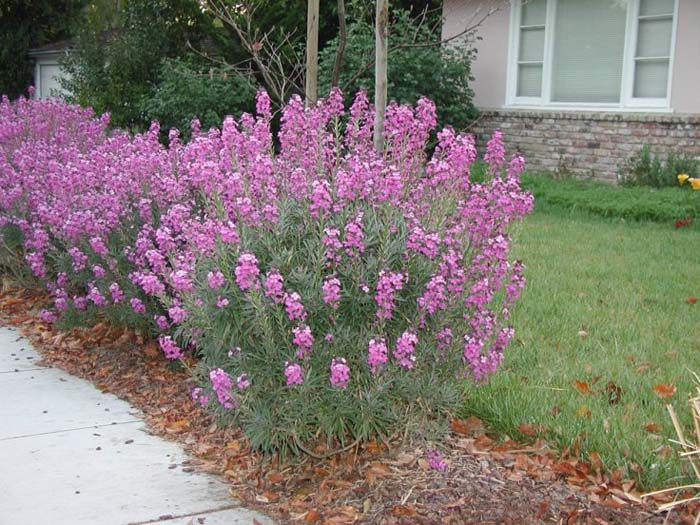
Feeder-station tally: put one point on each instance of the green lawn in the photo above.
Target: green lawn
(605, 301)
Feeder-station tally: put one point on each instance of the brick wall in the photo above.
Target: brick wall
(588, 144)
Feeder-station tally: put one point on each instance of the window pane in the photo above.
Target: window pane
(655, 7)
(654, 38)
(651, 79)
(533, 12)
(588, 51)
(531, 44)
(529, 80)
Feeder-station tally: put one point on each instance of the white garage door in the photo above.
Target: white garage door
(49, 75)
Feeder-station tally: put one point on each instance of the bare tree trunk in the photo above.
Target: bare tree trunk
(380, 72)
(342, 40)
(312, 52)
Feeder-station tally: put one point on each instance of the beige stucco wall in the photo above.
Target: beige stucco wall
(685, 86)
(490, 66)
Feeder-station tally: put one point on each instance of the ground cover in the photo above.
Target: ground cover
(600, 199)
(605, 338)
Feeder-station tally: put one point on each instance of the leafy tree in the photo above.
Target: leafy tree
(117, 58)
(25, 24)
(418, 64)
(187, 90)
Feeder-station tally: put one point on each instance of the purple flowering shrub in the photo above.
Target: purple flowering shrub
(364, 289)
(330, 292)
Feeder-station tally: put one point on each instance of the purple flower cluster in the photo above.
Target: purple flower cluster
(293, 374)
(404, 352)
(378, 354)
(221, 384)
(304, 340)
(340, 373)
(331, 292)
(387, 285)
(169, 347)
(247, 271)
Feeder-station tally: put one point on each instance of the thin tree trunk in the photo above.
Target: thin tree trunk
(342, 40)
(312, 52)
(380, 72)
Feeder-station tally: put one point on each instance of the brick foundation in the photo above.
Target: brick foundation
(588, 144)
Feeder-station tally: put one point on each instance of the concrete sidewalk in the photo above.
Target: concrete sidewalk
(71, 455)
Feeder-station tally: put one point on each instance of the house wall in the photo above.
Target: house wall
(577, 142)
(490, 67)
(685, 85)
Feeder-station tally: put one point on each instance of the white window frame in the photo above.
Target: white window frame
(627, 101)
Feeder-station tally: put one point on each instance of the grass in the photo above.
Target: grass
(605, 301)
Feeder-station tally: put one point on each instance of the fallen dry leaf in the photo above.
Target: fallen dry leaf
(404, 510)
(178, 426)
(582, 387)
(467, 426)
(665, 390)
(531, 429)
(652, 427)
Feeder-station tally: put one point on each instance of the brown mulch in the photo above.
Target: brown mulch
(486, 482)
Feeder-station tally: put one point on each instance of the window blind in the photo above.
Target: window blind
(589, 41)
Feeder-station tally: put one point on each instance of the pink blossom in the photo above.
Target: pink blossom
(295, 310)
(137, 305)
(198, 396)
(221, 302)
(321, 200)
(116, 293)
(340, 373)
(354, 237)
(293, 373)
(177, 314)
(48, 316)
(304, 340)
(170, 349)
(274, 286)
(331, 292)
(221, 384)
(215, 279)
(435, 459)
(80, 303)
(242, 382)
(404, 350)
(387, 285)
(162, 322)
(96, 296)
(377, 354)
(495, 151)
(247, 271)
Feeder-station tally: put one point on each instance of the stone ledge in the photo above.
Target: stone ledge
(608, 116)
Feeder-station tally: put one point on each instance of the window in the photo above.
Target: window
(592, 53)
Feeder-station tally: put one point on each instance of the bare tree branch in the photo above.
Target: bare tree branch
(276, 61)
(477, 20)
